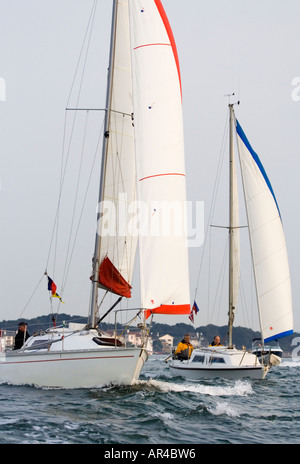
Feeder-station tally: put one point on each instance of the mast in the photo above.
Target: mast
(231, 308)
(96, 264)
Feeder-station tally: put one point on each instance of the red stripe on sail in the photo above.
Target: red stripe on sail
(160, 175)
(170, 35)
(111, 279)
(151, 45)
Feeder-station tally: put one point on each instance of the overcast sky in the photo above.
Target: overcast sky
(249, 47)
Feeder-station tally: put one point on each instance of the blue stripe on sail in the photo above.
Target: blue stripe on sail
(243, 137)
(281, 335)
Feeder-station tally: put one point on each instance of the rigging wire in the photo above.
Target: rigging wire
(35, 289)
(55, 229)
(221, 279)
(244, 304)
(208, 238)
(65, 157)
(121, 250)
(82, 207)
(87, 38)
(88, 28)
(213, 202)
(75, 200)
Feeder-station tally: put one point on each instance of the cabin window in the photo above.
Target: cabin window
(39, 345)
(198, 359)
(215, 359)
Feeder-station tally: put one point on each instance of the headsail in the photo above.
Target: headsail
(268, 246)
(160, 160)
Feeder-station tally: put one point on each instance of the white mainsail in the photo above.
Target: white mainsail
(164, 276)
(270, 261)
(144, 189)
(117, 246)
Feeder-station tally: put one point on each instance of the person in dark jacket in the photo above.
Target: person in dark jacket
(21, 336)
(216, 341)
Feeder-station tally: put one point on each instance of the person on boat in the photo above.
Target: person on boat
(21, 336)
(216, 341)
(184, 348)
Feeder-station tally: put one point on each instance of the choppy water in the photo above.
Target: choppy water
(159, 409)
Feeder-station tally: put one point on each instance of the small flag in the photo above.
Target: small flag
(195, 307)
(52, 288)
(195, 310)
(191, 317)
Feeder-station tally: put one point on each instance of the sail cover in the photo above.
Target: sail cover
(268, 246)
(161, 183)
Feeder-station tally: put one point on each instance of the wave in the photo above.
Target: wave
(240, 388)
(290, 363)
(221, 409)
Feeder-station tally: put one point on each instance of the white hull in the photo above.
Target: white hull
(267, 354)
(272, 357)
(219, 362)
(62, 365)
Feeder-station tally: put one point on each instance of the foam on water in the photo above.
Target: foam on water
(223, 408)
(290, 363)
(239, 388)
(166, 417)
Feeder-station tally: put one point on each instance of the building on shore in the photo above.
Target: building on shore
(7, 339)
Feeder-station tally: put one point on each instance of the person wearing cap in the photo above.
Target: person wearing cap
(21, 336)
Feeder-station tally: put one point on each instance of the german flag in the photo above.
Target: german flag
(52, 288)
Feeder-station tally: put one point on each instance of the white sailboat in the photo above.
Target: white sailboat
(269, 353)
(142, 166)
(271, 271)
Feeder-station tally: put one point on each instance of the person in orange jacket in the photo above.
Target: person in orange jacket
(184, 348)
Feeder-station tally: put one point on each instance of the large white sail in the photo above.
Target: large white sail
(268, 246)
(161, 182)
(117, 242)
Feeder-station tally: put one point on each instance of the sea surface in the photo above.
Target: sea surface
(158, 410)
